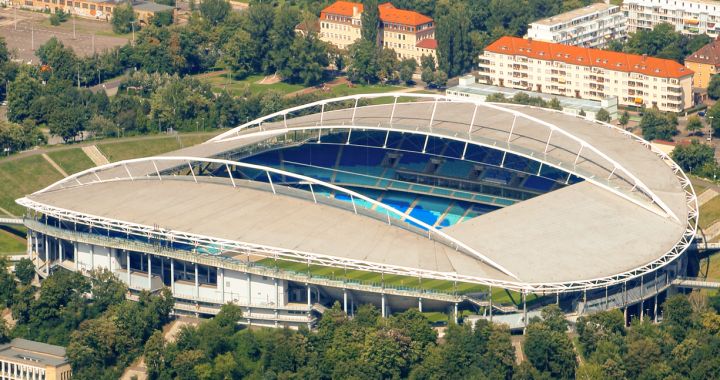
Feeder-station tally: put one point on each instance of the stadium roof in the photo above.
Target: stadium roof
(634, 212)
(575, 55)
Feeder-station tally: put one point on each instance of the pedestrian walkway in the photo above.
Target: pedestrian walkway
(706, 196)
(54, 164)
(95, 155)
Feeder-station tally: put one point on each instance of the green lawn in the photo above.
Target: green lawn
(71, 160)
(24, 176)
(236, 87)
(699, 187)
(710, 212)
(117, 150)
(12, 240)
(500, 296)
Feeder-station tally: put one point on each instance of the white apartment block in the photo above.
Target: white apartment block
(688, 16)
(592, 26)
(587, 73)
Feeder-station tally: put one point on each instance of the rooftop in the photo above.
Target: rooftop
(565, 101)
(708, 54)
(150, 6)
(31, 352)
(581, 232)
(388, 13)
(574, 14)
(574, 55)
(428, 43)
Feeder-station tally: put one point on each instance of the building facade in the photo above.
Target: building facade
(97, 9)
(705, 63)
(688, 16)
(26, 359)
(592, 26)
(409, 34)
(587, 73)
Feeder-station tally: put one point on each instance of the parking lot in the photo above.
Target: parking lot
(25, 31)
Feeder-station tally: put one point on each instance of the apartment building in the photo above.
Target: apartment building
(705, 63)
(591, 26)
(688, 16)
(26, 359)
(587, 73)
(409, 33)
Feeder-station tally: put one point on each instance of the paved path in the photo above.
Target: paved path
(95, 155)
(6, 212)
(54, 164)
(706, 196)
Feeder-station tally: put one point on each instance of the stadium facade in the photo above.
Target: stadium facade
(400, 200)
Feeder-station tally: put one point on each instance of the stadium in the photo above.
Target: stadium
(400, 200)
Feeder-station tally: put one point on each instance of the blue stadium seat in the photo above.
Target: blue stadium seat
(413, 162)
(538, 183)
(455, 168)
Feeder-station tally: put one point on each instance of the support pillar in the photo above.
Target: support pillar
(309, 294)
(525, 320)
(456, 313)
(642, 298)
(109, 255)
(222, 284)
(655, 318)
(625, 320)
(420, 304)
(149, 263)
(345, 309)
(47, 257)
(491, 306)
(197, 283)
(127, 257)
(37, 247)
(60, 250)
(382, 303)
(606, 298)
(172, 276)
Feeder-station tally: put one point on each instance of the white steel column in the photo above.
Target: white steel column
(309, 295)
(47, 257)
(60, 250)
(172, 275)
(75, 256)
(345, 309)
(37, 247)
(525, 321)
(150, 271)
(110, 253)
(456, 313)
(382, 301)
(222, 284)
(197, 283)
(490, 298)
(127, 258)
(420, 304)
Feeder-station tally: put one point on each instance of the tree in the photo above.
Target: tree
(237, 57)
(454, 44)
(283, 37)
(364, 65)
(308, 62)
(123, 18)
(22, 93)
(258, 22)
(624, 118)
(440, 78)
(154, 352)
(25, 271)
(7, 283)
(713, 89)
(161, 19)
(547, 346)
(107, 290)
(658, 125)
(215, 11)
(602, 115)
(582, 112)
(677, 313)
(554, 103)
(694, 124)
(370, 19)
(407, 69)
(58, 60)
(427, 76)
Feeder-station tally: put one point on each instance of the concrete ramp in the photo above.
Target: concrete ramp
(95, 155)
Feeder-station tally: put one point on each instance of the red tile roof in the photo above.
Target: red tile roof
(343, 8)
(428, 43)
(575, 55)
(388, 13)
(708, 54)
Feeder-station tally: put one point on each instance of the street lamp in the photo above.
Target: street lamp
(709, 138)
